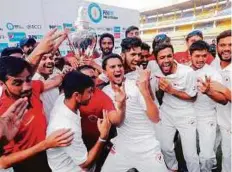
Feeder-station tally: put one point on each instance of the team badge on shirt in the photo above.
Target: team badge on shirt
(159, 158)
(92, 118)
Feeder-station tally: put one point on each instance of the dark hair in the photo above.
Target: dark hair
(145, 46)
(110, 56)
(198, 45)
(76, 82)
(160, 47)
(12, 66)
(85, 67)
(11, 50)
(194, 33)
(128, 43)
(223, 34)
(106, 35)
(130, 29)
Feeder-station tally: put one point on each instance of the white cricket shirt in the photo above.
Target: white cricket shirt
(137, 133)
(66, 159)
(224, 111)
(204, 104)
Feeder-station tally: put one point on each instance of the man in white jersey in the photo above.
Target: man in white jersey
(131, 54)
(222, 63)
(45, 73)
(176, 111)
(205, 104)
(75, 158)
(135, 146)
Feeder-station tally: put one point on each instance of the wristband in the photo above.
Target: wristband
(101, 140)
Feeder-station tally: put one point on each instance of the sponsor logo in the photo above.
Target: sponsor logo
(11, 26)
(159, 158)
(69, 26)
(3, 46)
(117, 35)
(34, 26)
(36, 36)
(16, 36)
(92, 118)
(109, 14)
(109, 29)
(95, 12)
(59, 27)
(117, 29)
(2, 36)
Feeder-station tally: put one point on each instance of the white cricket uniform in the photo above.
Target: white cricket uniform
(136, 145)
(205, 109)
(66, 159)
(48, 97)
(178, 114)
(224, 116)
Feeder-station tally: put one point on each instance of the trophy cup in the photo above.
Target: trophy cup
(83, 40)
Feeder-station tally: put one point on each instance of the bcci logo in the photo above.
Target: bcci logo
(9, 26)
(95, 12)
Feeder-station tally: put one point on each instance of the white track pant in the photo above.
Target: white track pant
(122, 162)
(226, 149)
(7, 170)
(172, 120)
(206, 127)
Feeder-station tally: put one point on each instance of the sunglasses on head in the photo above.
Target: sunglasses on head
(195, 32)
(160, 37)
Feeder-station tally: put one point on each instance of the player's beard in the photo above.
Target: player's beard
(223, 59)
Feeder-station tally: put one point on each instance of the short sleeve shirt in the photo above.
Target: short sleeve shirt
(33, 127)
(90, 113)
(66, 159)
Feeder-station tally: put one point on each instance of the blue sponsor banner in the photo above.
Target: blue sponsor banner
(2, 46)
(37, 37)
(16, 36)
(69, 26)
(117, 29)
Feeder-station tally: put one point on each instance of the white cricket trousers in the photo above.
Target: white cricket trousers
(123, 161)
(206, 128)
(185, 122)
(226, 149)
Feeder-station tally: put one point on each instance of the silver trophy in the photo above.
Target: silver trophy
(83, 40)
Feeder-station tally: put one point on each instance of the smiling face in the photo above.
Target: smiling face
(115, 71)
(144, 58)
(224, 49)
(165, 60)
(46, 65)
(20, 85)
(198, 58)
(133, 58)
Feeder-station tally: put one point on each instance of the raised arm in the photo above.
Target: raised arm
(49, 44)
(143, 83)
(59, 138)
